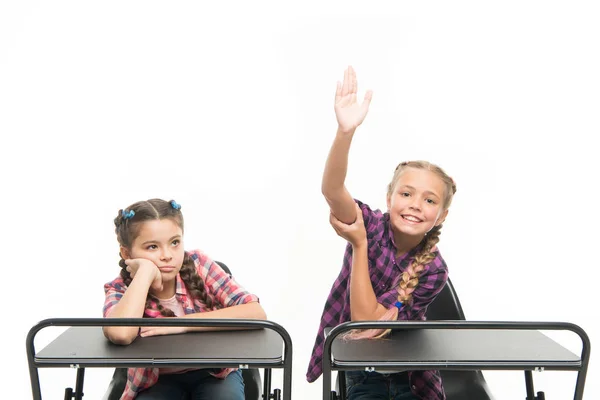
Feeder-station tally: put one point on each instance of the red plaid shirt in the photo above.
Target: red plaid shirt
(218, 284)
(385, 270)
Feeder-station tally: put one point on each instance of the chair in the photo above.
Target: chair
(252, 379)
(458, 385)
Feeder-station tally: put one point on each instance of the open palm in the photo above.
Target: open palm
(349, 113)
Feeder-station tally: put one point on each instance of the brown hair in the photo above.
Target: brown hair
(425, 254)
(128, 223)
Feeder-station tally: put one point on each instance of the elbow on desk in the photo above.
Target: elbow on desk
(259, 312)
(365, 316)
(118, 336)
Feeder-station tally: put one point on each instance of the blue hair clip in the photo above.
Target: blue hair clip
(398, 304)
(127, 214)
(175, 205)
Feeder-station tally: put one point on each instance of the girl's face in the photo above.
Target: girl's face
(416, 204)
(160, 241)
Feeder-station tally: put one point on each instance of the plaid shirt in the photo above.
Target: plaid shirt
(385, 271)
(218, 283)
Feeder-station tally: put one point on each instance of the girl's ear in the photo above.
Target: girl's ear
(125, 255)
(442, 218)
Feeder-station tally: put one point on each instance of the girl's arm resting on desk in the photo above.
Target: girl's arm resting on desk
(252, 310)
(363, 302)
(131, 305)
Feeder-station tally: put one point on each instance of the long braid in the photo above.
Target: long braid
(195, 284)
(165, 312)
(410, 277)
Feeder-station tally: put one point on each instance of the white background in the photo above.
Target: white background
(228, 108)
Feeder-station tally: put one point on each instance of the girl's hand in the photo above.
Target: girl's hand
(348, 112)
(137, 266)
(354, 233)
(146, 331)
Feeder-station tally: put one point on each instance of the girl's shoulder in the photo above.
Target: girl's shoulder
(437, 264)
(118, 284)
(201, 260)
(199, 256)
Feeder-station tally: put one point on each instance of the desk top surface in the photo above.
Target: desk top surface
(461, 347)
(88, 346)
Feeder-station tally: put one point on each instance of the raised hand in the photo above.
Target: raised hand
(348, 112)
(136, 266)
(355, 233)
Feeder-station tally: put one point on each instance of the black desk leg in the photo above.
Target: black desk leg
(267, 384)
(529, 388)
(78, 393)
(326, 381)
(580, 384)
(79, 384)
(35, 382)
(342, 384)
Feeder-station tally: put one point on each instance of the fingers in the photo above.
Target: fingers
(367, 101)
(359, 214)
(146, 331)
(157, 285)
(353, 83)
(338, 92)
(346, 85)
(336, 223)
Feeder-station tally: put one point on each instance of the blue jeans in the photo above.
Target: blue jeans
(195, 385)
(362, 385)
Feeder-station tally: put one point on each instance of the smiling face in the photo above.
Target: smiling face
(416, 203)
(160, 241)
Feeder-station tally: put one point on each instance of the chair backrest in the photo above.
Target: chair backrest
(224, 267)
(458, 385)
(446, 305)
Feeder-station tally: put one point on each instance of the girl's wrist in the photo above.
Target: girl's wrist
(360, 245)
(145, 275)
(341, 131)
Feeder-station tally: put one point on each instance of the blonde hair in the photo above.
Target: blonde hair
(426, 253)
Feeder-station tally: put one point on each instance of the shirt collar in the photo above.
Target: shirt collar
(180, 288)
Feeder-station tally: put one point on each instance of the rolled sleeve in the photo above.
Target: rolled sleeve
(113, 292)
(389, 298)
(371, 218)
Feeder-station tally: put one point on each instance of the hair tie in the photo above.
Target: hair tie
(127, 214)
(398, 304)
(175, 205)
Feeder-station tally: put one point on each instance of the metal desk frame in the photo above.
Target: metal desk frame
(419, 331)
(100, 360)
